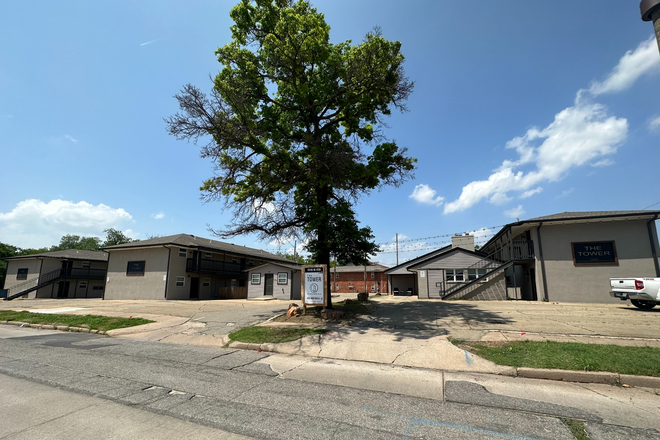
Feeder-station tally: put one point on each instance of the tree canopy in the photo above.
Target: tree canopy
(295, 128)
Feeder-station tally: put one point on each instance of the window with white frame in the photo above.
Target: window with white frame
(208, 255)
(336, 275)
(473, 274)
(85, 264)
(373, 287)
(256, 278)
(373, 275)
(454, 275)
(336, 286)
(206, 282)
(82, 285)
(183, 253)
(282, 278)
(234, 259)
(180, 281)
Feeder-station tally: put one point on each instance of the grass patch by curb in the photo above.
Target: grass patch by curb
(352, 311)
(644, 361)
(576, 427)
(92, 322)
(261, 335)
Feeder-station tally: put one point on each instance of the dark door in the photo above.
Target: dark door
(532, 278)
(194, 288)
(268, 284)
(67, 266)
(63, 289)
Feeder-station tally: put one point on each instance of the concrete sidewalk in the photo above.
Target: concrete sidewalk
(403, 331)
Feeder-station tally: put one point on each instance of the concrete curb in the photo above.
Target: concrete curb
(529, 373)
(62, 328)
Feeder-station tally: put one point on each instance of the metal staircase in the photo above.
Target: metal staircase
(497, 261)
(34, 284)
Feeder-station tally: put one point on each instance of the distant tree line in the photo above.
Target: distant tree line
(68, 241)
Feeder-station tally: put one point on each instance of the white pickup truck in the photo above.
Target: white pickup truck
(643, 293)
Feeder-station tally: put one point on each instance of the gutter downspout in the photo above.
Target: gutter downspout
(545, 281)
(167, 273)
(652, 241)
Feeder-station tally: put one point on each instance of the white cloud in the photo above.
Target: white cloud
(603, 163)
(631, 66)
(159, 216)
(566, 192)
(148, 42)
(531, 192)
(579, 135)
(33, 223)
(516, 212)
(75, 141)
(654, 125)
(425, 194)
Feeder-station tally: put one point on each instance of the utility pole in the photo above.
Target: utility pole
(650, 10)
(397, 249)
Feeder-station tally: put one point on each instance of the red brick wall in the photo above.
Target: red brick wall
(356, 279)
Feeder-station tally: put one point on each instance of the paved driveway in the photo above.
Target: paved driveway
(476, 320)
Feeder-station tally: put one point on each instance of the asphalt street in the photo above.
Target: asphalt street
(274, 396)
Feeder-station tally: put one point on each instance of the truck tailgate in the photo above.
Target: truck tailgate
(622, 283)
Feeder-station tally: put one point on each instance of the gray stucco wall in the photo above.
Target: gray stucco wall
(149, 286)
(280, 291)
(569, 283)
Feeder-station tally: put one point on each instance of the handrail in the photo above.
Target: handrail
(460, 286)
(28, 286)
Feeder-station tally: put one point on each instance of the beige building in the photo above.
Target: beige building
(567, 257)
(71, 273)
(181, 267)
(274, 280)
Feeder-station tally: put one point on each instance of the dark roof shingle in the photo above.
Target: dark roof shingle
(69, 254)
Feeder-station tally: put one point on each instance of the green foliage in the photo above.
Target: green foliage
(297, 259)
(93, 322)
(114, 237)
(576, 427)
(261, 335)
(77, 242)
(295, 124)
(572, 356)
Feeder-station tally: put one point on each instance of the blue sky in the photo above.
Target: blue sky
(520, 109)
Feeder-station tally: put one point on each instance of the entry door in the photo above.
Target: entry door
(268, 284)
(194, 288)
(67, 266)
(63, 289)
(532, 278)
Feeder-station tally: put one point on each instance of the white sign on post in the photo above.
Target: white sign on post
(314, 285)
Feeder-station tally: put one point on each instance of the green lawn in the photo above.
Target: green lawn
(92, 322)
(643, 361)
(260, 335)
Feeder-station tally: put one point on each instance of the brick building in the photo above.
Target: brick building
(348, 279)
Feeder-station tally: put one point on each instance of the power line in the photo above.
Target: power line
(652, 205)
(408, 240)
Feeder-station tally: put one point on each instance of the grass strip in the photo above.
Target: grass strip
(643, 361)
(260, 335)
(576, 427)
(92, 322)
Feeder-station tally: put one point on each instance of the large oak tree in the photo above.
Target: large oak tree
(295, 128)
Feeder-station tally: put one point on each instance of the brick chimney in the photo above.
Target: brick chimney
(463, 241)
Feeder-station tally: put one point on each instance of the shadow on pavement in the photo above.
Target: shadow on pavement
(425, 319)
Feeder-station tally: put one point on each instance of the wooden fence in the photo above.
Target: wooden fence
(232, 293)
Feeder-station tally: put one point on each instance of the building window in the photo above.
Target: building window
(350, 287)
(85, 264)
(21, 274)
(206, 282)
(473, 274)
(256, 278)
(82, 285)
(234, 283)
(234, 259)
(282, 278)
(182, 253)
(97, 287)
(180, 281)
(250, 263)
(373, 287)
(208, 255)
(336, 286)
(373, 275)
(135, 268)
(454, 275)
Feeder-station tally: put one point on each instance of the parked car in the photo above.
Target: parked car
(643, 293)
